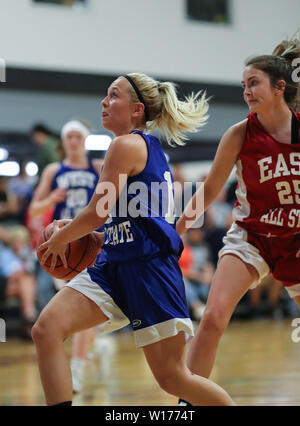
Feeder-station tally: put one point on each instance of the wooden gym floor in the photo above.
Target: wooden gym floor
(257, 363)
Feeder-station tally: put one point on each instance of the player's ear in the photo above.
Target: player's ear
(138, 109)
(280, 86)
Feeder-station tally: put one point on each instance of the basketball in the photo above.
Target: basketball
(80, 253)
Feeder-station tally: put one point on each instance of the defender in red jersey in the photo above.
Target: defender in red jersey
(265, 235)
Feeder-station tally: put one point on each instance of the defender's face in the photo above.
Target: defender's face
(258, 92)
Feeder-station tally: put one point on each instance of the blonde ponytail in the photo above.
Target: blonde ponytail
(288, 49)
(174, 118)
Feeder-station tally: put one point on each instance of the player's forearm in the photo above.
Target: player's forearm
(37, 208)
(84, 223)
(191, 213)
(197, 205)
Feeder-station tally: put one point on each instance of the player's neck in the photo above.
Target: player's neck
(275, 119)
(76, 161)
(126, 130)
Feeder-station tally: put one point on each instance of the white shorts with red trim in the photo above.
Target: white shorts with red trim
(236, 243)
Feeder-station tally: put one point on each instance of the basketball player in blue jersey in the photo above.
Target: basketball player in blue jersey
(136, 278)
(67, 187)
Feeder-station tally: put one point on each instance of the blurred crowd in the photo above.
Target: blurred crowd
(21, 277)
(23, 280)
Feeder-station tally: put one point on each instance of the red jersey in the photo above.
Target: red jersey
(268, 191)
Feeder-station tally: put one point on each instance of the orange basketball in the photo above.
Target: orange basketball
(80, 253)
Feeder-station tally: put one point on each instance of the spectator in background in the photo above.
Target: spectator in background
(22, 190)
(8, 204)
(273, 289)
(47, 146)
(45, 285)
(183, 190)
(231, 195)
(219, 213)
(4, 239)
(197, 271)
(218, 220)
(4, 235)
(179, 178)
(17, 267)
(200, 248)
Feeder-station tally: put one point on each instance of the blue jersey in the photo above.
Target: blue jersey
(137, 277)
(80, 185)
(142, 224)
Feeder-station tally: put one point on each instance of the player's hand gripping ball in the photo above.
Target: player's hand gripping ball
(80, 254)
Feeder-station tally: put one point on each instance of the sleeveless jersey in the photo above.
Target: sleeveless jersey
(80, 185)
(142, 224)
(268, 192)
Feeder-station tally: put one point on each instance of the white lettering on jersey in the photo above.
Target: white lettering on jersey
(294, 213)
(129, 235)
(76, 178)
(119, 234)
(263, 168)
(294, 157)
(273, 217)
(281, 169)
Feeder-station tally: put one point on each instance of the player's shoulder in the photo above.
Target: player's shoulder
(48, 175)
(127, 140)
(238, 129)
(51, 169)
(128, 145)
(129, 152)
(235, 135)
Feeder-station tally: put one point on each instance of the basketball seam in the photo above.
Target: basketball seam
(92, 262)
(69, 272)
(85, 251)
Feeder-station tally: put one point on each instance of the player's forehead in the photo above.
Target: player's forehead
(251, 72)
(120, 85)
(74, 134)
